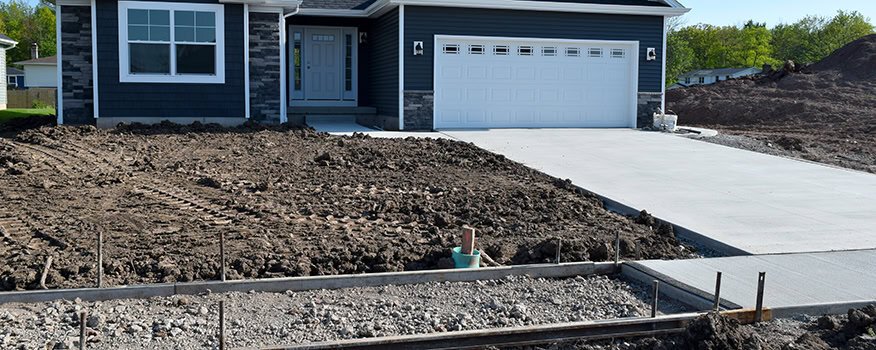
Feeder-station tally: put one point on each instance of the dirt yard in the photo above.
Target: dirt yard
(825, 112)
(290, 202)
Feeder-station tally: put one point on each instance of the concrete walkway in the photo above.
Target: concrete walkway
(747, 202)
(791, 279)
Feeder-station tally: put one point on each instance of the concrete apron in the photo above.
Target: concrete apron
(312, 282)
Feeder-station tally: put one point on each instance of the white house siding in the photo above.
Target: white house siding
(40, 76)
(2, 78)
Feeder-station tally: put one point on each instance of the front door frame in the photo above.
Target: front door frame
(347, 98)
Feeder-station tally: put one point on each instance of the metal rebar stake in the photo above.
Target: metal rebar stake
(221, 324)
(654, 300)
(617, 247)
(222, 254)
(559, 248)
(99, 259)
(758, 309)
(83, 315)
(718, 292)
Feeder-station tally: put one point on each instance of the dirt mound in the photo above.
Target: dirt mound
(855, 61)
(715, 332)
(825, 113)
(291, 202)
(19, 124)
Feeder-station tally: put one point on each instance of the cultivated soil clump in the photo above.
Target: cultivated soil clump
(854, 331)
(290, 202)
(825, 112)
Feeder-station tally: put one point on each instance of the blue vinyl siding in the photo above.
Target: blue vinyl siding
(383, 74)
(133, 100)
(423, 23)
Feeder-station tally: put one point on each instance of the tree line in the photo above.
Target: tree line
(28, 24)
(808, 40)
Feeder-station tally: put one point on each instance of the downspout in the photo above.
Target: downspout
(294, 12)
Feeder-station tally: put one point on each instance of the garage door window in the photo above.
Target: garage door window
(500, 50)
(524, 50)
(451, 49)
(595, 52)
(618, 53)
(548, 51)
(476, 49)
(573, 52)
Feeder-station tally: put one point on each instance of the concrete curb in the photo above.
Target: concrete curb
(312, 282)
(674, 289)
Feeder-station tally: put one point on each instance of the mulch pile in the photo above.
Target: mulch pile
(824, 112)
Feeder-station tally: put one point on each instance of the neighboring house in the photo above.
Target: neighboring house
(14, 78)
(41, 72)
(711, 76)
(6, 43)
(393, 64)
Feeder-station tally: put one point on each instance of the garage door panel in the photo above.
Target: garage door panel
(495, 83)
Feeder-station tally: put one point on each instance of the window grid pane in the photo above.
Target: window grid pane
(195, 27)
(296, 59)
(348, 63)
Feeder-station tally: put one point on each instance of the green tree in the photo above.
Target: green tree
(752, 46)
(813, 38)
(28, 24)
(679, 55)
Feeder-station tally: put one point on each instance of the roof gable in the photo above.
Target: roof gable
(42, 61)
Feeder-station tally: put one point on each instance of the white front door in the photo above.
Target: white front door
(322, 68)
(483, 82)
(322, 64)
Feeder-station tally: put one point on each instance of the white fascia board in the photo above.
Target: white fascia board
(11, 43)
(74, 2)
(382, 6)
(550, 6)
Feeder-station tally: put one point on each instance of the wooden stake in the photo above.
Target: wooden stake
(99, 259)
(221, 324)
(45, 273)
(222, 254)
(718, 292)
(82, 319)
(468, 240)
(758, 308)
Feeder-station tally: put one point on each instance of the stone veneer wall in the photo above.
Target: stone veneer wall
(648, 104)
(77, 86)
(418, 109)
(264, 67)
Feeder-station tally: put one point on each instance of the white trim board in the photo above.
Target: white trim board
(246, 98)
(95, 96)
(284, 117)
(634, 65)
(663, 75)
(381, 6)
(126, 77)
(59, 110)
(401, 67)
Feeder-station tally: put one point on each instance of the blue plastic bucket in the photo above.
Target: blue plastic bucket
(465, 261)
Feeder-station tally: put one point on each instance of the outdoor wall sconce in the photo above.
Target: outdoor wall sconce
(652, 54)
(363, 37)
(418, 48)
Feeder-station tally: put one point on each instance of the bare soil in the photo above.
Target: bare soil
(825, 112)
(290, 202)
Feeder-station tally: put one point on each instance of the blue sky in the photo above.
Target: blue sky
(737, 12)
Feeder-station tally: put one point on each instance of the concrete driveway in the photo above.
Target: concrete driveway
(747, 202)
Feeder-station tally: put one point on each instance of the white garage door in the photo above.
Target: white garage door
(483, 82)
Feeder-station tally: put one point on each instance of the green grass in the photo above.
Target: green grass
(15, 113)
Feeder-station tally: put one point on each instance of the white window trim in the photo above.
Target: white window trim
(125, 75)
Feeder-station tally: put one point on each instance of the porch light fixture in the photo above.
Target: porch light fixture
(363, 37)
(418, 48)
(652, 54)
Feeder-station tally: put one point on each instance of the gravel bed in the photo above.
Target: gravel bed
(257, 318)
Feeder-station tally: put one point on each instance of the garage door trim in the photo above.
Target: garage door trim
(634, 66)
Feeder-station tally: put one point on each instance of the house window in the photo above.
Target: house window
(11, 81)
(348, 62)
(573, 52)
(500, 50)
(296, 60)
(163, 42)
(548, 51)
(727, 78)
(702, 80)
(594, 52)
(687, 80)
(476, 49)
(717, 78)
(451, 49)
(524, 50)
